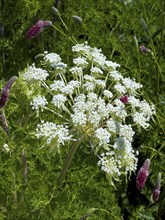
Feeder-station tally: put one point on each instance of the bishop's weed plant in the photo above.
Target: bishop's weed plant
(90, 103)
(68, 138)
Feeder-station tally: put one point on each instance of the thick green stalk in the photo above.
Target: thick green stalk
(68, 161)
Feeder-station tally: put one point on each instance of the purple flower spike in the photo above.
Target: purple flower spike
(143, 174)
(38, 28)
(5, 91)
(156, 192)
(124, 99)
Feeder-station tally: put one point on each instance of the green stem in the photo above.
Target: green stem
(59, 30)
(63, 22)
(68, 161)
(72, 39)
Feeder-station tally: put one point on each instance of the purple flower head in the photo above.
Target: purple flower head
(143, 174)
(156, 192)
(124, 99)
(5, 92)
(37, 28)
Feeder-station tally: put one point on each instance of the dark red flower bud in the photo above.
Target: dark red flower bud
(124, 99)
(143, 174)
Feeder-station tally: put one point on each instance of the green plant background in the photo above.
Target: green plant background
(109, 25)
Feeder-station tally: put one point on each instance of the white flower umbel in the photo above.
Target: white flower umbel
(96, 70)
(120, 89)
(97, 57)
(109, 65)
(100, 83)
(141, 120)
(33, 73)
(103, 135)
(80, 61)
(39, 102)
(89, 78)
(146, 109)
(76, 71)
(116, 75)
(99, 105)
(111, 125)
(79, 119)
(53, 132)
(109, 164)
(134, 101)
(131, 85)
(59, 100)
(81, 49)
(52, 58)
(127, 132)
(108, 94)
(94, 118)
(58, 85)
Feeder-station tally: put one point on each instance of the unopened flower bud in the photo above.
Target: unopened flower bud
(124, 99)
(136, 41)
(156, 192)
(143, 49)
(143, 174)
(47, 24)
(77, 19)
(55, 10)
